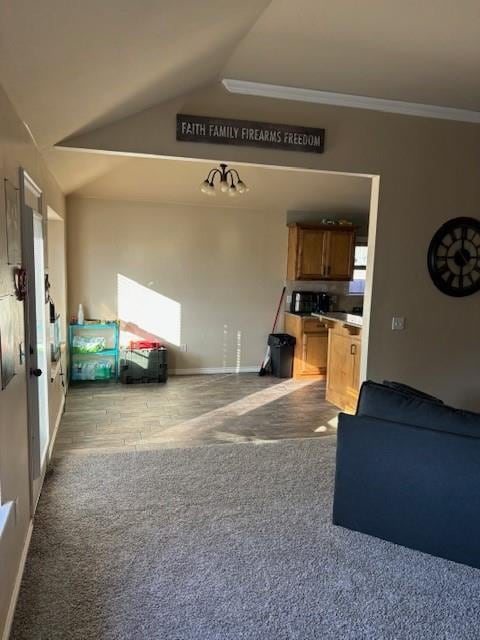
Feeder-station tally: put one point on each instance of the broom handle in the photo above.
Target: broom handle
(278, 309)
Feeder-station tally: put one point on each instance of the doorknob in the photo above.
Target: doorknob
(36, 372)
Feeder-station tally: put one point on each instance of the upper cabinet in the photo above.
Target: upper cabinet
(320, 252)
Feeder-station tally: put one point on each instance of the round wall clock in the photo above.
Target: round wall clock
(454, 257)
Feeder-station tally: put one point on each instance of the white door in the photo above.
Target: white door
(35, 342)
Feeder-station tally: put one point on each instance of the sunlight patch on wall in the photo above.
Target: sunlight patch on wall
(239, 351)
(225, 346)
(146, 314)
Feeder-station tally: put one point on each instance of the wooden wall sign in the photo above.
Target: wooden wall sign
(251, 134)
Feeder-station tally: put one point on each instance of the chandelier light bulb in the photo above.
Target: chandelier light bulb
(232, 192)
(223, 186)
(205, 186)
(241, 187)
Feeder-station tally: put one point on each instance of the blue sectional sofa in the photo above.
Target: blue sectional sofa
(408, 471)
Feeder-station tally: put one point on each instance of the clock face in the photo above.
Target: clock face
(454, 257)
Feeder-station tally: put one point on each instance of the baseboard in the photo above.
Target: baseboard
(18, 582)
(57, 425)
(207, 370)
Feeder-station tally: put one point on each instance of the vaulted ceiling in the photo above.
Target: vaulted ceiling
(425, 51)
(73, 66)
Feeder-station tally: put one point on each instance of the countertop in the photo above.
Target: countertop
(345, 318)
(299, 315)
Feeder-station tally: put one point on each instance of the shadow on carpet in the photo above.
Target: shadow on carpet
(224, 542)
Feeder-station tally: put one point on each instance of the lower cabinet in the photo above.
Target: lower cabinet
(311, 347)
(328, 349)
(343, 368)
(314, 353)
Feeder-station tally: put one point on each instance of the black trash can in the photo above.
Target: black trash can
(281, 353)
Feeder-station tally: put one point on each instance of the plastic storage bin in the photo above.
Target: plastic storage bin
(281, 353)
(92, 370)
(143, 365)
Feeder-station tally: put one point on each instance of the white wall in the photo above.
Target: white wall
(222, 269)
(57, 273)
(17, 149)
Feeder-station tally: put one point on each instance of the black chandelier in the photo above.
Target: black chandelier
(228, 181)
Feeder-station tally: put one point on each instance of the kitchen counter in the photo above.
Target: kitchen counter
(349, 319)
(329, 344)
(344, 357)
(300, 315)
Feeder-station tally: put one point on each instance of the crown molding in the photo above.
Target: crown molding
(346, 100)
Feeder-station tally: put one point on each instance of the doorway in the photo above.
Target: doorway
(33, 249)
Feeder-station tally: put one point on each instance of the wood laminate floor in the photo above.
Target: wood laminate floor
(192, 411)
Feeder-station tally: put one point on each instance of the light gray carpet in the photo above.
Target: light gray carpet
(225, 542)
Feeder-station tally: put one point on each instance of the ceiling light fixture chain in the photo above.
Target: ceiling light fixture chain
(229, 181)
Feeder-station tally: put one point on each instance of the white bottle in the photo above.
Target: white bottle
(80, 316)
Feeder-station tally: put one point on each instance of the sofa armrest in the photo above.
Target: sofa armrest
(414, 486)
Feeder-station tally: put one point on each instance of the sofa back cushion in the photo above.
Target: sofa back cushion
(386, 403)
(405, 388)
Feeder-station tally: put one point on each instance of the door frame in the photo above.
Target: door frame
(37, 466)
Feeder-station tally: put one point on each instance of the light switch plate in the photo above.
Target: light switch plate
(289, 299)
(398, 324)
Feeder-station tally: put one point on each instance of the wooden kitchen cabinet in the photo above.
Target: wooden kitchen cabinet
(311, 347)
(343, 367)
(314, 356)
(320, 252)
(340, 254)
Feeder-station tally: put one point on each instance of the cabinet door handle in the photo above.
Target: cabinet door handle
(353, 349)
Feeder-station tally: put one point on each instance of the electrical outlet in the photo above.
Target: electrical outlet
(183, 347)
(398, 324)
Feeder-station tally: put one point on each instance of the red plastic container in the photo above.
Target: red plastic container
(144, 344)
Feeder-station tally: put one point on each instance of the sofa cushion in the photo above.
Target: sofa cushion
(405, 388)
(385, 403)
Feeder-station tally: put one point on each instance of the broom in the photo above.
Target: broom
(266, 360)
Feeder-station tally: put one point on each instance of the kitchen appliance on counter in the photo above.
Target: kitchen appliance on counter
(306, 302)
